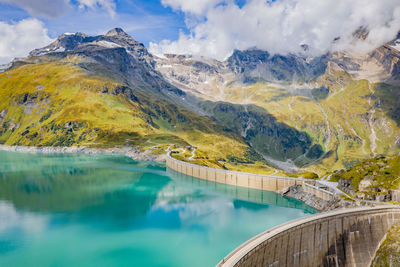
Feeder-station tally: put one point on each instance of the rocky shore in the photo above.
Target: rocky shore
(131, 152)
(297, 192)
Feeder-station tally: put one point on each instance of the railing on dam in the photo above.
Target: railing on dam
(243, 179)
(347, 237)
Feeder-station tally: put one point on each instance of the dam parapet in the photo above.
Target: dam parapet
(249, 180)
(345, 237)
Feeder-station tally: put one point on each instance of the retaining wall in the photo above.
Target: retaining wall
(348, 237)
(243, 179)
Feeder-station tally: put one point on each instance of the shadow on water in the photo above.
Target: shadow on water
(250, 198)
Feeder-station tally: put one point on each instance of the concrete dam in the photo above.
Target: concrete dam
(248, 180)
(345, 237)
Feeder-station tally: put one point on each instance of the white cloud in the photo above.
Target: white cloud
(29, 223)
(108, 5)
(197, 7)
(42, 8)
(56, 8)
(18, 39)
(281, 26)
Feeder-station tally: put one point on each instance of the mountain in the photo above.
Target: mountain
(103, 91)
(341, 107)
(251, 111)
(257, 65)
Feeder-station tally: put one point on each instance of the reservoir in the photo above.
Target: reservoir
(108, 210)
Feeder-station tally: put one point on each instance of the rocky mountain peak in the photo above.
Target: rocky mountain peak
(65, 42)
(115, 32)
(361, 33)
(80, 42)
(72, 35)
(120, 37)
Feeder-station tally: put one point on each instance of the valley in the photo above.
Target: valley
(254, 111)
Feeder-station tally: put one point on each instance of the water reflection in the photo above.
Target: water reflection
(242, 196)
(112, 211)
(113, 188)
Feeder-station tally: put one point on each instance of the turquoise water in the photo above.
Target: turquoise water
(79, 210)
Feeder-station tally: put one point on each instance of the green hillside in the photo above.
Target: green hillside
(343, 125)
(371, 177)
(252, 112)
(58, 103)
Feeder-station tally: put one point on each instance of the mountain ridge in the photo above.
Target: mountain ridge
(256, 97)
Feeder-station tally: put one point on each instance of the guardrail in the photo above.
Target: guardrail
(318, 192)
(244, 179)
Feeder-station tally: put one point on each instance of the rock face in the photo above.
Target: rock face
(194, 74)
(115, 54)
(389, 57)
(81, 42)
(257, 65)
(297, 192)
(374, 179)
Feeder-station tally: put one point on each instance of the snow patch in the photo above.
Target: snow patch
(53, 50)
(107, 44)
(396, 45)
(5, 67)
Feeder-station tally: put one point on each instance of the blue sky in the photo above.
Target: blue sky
(211, 28)
(145, 20)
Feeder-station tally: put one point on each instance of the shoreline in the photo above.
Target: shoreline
(131, 152)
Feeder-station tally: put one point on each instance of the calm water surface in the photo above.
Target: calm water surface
(79, 210)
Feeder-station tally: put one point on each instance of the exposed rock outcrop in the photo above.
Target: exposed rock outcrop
(297, 192)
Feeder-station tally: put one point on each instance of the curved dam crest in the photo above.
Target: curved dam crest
(248, 180)
(345, 237)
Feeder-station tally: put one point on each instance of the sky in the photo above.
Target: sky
(211, 28)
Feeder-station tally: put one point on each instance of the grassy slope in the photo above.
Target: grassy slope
(347, 108)
(46, 103)
(388, 253)
(60, 104)
(384, 173)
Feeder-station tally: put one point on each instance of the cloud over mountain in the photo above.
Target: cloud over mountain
(217, 27)
(19, 38)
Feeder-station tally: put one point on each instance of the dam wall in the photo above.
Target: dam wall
(346, 237)
(243, 193)
(248, 180)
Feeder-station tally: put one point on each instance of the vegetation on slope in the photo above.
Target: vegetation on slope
(333, 122)
(60, 104)
(264, 133)
(350, 120)
(388, 254)
(371, 177)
